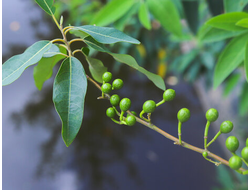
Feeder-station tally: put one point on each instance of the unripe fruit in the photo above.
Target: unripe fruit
(115, 100)
(232, 143)
(125, 104)
(149, 106)
(183, 115)
(204, 154)
(117, 84)
(107, 77)
(244, 153)
(130, 120)
(226, 127)
(134, 113)
(212, 114)
(169, 95)
(110, 112)
(106, 88)
(235, 162)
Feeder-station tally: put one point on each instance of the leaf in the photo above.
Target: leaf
(114, 10)
(144, 16)
(187, 60)
(191, 13)
(243, 23)
(44, 70)
(224, 177)
(166, 13)
(227, 21)
(230, 59)
(47, 6)
(104, 35)
(243, 105)
(231, 84)
(126, 18)
(14, 67)
(96, 68)
(209, 34)
(215, 7)
(207, 59)
(128, 60)
(234, 6)
(69, 92)
(246, 61)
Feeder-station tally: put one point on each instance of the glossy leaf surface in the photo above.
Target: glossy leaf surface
(104, 35)
(14, 67)
(69, 92)
(243, 23)
(44, 70)
(167, 14)
(47, 6)
(111, 12)
(144, 16)
(128, 60)
(210, 34)
(230, 59)
(227, 21)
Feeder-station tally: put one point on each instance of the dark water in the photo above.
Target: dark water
(103, 155)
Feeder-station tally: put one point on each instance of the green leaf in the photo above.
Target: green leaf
(209, 34)
(246, 61)
(144, 16)
(230, 59)
(128, 60)
(191, 13)
(231, 84)
(44, 70)
(114, 10)
(227, 21)
(47, 6)
(187, 60)
(243, 105)
(224, 177)
(69, 92)
(96, 67)
(207, 59)
(104, 35)
(14, 67)
(243, 23)
(234, 6)
(166, 13)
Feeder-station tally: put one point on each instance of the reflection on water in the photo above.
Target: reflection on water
(103, 155)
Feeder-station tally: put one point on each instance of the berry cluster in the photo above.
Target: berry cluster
(149, 106)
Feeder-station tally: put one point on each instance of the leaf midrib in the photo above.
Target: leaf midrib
(26, 62)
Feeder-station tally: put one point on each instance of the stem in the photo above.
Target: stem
(68, 27)
(57, 24)
(215, 137)
(57, 40)
(76, 40)
(116, 121)
(160, 103)
(121, 116)
(179, 131)
(172, 138)
(244, 161)
(205, 134)
(141, 116)
(77, 50)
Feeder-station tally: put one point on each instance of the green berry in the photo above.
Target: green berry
(232, 143)
(247, 142)
(183, 115)
(134, 113)
(169, 95)
(204, 154)
(130, 120)
(125, 104)
(235, 162)
(212, 114)
(106, 88)
(107, 77)
(117, 84)
(110, 112)
(244, 153)
(149, 106)
(115, 100)
(226, 127)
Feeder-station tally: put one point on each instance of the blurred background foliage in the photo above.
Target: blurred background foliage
(175, 36)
